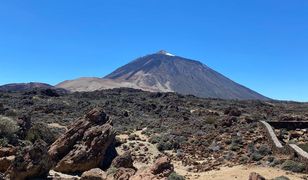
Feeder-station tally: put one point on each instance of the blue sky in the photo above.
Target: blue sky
(262, 44)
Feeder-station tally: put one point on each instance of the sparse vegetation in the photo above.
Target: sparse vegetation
(175, 176)
(293, 166)
(8, 128)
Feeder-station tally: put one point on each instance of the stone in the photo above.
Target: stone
(5, 163)
(94, 174)
(160, 170)
(32, 162)
(84, 146)
(123, 174)
(60, 176)
(7, 151)
(162, 166)
(123, 161)
(255, 176)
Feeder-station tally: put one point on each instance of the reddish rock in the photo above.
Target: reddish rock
(5, 163)
(123, 174)
(32, 162)
(123, 161)
(160, 170)
(84, 145)
(255, 176)
(162, 167)
(94, 174)
(7, 151)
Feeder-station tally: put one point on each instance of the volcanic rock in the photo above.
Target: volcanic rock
(161, 169)
(255, 176)
(123, 161)
(32, 162)
(84, 145)
(94, 174)
(122, 174)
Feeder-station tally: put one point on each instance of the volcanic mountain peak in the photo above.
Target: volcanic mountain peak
(165, 72)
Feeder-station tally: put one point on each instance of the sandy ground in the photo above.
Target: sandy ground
(56, 125)
(236, 173)
(151, 154)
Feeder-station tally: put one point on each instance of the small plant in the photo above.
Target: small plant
(154, 139)
(210, 120)
(264, 150)
(175, 176)
(112, 170)
(8, 127)
(4, 142)
(256, 156)
(281, 178)
(293, 166)
(42, 131)
(304, 147)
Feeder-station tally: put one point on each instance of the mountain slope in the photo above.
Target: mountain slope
(25, 86)
(165, 72)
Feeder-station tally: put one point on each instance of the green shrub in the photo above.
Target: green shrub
(175, 176)
(8, 127)
(154, 139)
(256, 156)
(210, 120)
(112, 170)
(293, 166)
(44, 132)
(264, 150)
(304, 147)
(11, 113)
(163, 146)
(281, 178)
(4, 142)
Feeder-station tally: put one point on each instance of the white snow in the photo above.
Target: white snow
(169, 54)
(165, 53)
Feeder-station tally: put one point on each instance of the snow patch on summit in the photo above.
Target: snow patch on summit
(165, 53)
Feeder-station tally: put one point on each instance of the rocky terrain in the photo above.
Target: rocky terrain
(132, 134)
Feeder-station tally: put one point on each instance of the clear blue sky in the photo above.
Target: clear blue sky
(262, 44)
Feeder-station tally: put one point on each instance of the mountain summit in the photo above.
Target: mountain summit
(165, 72)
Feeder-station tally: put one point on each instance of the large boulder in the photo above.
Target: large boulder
(7, 156)
(123, 161)
(84, 145)
(162, 167)
(32, 162)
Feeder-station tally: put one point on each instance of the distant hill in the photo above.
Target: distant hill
(165, 72)
(17, 87)
(25, 86)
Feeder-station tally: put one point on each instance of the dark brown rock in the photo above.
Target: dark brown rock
(123, 174)
(5, 163)
(84, 145)
(162, 166)
(123, 161)
(7, 151)
(32, 162)
(255, 176)
(161, 169)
